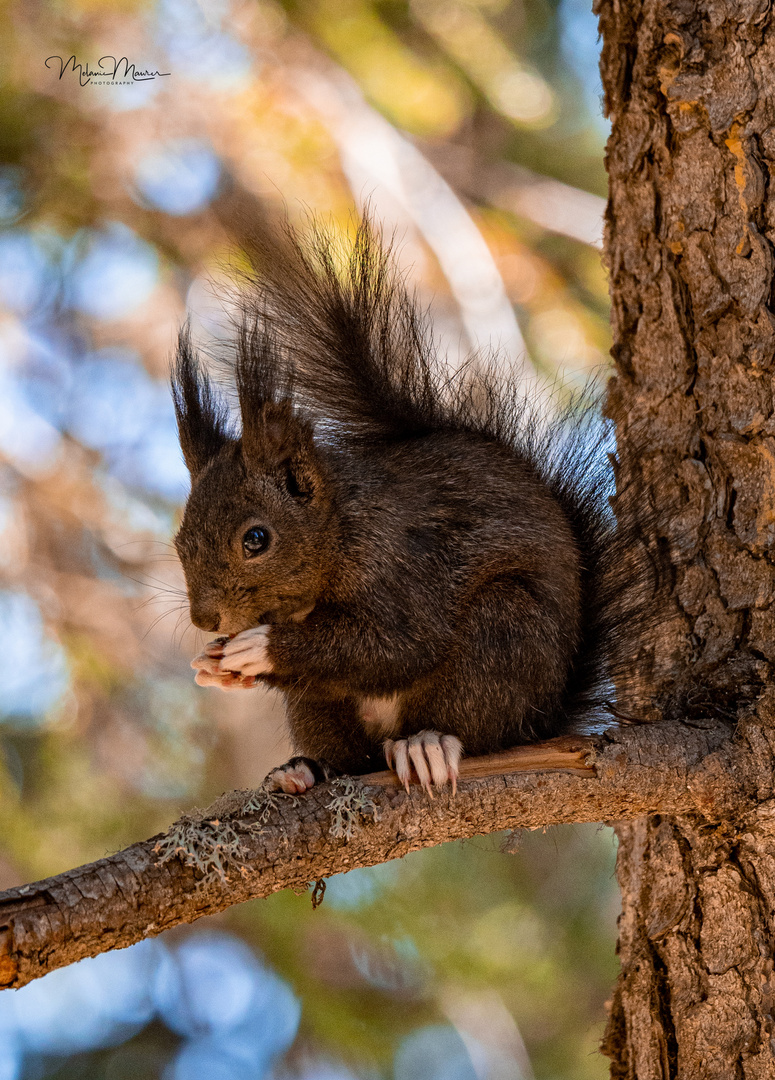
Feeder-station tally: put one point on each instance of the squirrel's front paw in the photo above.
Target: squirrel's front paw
(208, 672)
(434, 757)
(246, 653)
(294, 777)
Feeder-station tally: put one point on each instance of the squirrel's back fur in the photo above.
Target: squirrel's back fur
(506, 497)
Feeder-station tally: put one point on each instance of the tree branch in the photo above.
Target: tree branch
(251, 849)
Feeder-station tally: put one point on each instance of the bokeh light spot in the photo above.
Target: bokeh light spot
(35, 670)
(26, 277)
(117, 273)
(214, 983)
(117, 408)
(100, 1001)
(179, 177)
(434, 1053)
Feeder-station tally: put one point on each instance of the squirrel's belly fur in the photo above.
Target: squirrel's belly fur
(381, 715)
(417, 561)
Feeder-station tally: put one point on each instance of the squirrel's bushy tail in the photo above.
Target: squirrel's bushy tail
(346, 326)
(621, 585)
(360, 358)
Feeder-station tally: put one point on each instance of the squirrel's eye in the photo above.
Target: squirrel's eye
(254, 542)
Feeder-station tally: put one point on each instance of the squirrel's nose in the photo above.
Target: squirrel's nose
(205, 619)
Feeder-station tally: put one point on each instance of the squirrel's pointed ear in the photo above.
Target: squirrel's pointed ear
(276, 440)
(202, 418)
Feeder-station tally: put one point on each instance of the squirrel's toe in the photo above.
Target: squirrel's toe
(294, 778)
(247, 653)
(434, 758)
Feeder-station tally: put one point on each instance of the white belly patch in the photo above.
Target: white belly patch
(380, 714)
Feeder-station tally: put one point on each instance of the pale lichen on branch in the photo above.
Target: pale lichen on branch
(263, 802)
(348, 807)
(211, 847)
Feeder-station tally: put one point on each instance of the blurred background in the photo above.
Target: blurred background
(474, 128)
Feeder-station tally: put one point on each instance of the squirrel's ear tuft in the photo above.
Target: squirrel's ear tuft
(202, 419)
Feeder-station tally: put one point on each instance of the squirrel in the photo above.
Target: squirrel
(421, 562)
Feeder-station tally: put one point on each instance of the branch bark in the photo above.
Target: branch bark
(621, 774)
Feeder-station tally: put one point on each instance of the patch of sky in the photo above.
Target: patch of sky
(133, 513)
(111, 272)
(28, 278)
(11, 195)
(581, 48)
(117, 408)
(11, 1057)
(436, 1052)
(104, 398)
(396, 967)
(324, 1070)
(36, 675)
(98, 1002)
(232, 1056)
(234, 1014)
(360, 887)
(178, 177)
(25, 437)
(137, 95)
(43, 370)
(112, 399)
(156, 463)
(196, 39)
(213, 983)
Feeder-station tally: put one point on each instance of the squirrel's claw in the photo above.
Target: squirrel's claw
(225, 680)
(453, 751)
(209, 656)
(215, 647)
(397, 757)
(204, 663)
(417, 754)
(434, 757)
(208, 671)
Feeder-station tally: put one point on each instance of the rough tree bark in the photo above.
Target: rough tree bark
(690, 89)
(690, 226)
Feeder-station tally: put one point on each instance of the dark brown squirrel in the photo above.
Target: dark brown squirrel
(421, 563)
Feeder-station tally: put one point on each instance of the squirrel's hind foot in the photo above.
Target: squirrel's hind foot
(433, 757)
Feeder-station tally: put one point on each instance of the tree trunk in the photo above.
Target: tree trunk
(690, 89)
